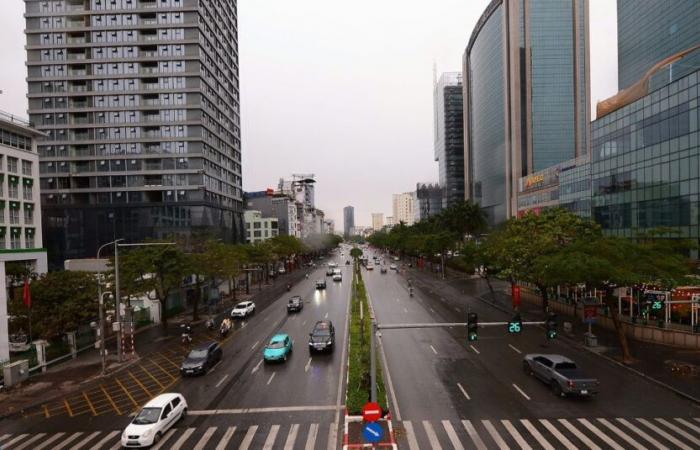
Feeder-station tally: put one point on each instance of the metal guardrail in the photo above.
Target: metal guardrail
(15, 119)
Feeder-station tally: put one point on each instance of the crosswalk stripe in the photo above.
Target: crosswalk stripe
(291, 437)
(533, 431)
(432, 437)
(5, 436)
(474, 435)
(248, 438)
(333, 436)
(106, 439)
(226, 438)
(604, 437)
(410, 435)
(678, 430)
(16, 439)
(581, 437)
(516, 435)
(494, 435)
(70, 439)
(87, 439)
(663, 433)
(452, 434)
(164, 439)
(178, 444)
(311, 438)
(627, 438)
(29, 442)
(642, 434)
(563, 439)
(205, 438)
(271, 436)
(50, 440)
(689, 425)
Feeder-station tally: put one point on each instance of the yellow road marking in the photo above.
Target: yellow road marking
(136, 405)
(162, 369)
(65, 402)
(92, 408)
(150, 375)
(46, 412)
(140, 384)
(109, 397)
(171, 362)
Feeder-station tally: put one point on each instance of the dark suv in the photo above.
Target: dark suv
(322, 337)
(295, 304)
(201, 359)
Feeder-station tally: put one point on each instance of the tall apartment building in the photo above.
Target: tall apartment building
(402, 208)
(281, 206)
(429, 198)
(348, 220)
(449, 136)
(140, 103)
(377, 221)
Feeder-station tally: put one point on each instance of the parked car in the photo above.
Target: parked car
(154, 420)
(321, 284)
(561, 374)
(337, 277)
(295, 304)
(278, 349)
(282, 270)
(322, 337)
(201, 359)
(243, 310)
(393, 267)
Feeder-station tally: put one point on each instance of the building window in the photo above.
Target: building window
(14, 216)
(13, 190)
(2, 214)
(29, 241)
(2, 241)
(28, 216)
(15, 241)
(26, 168)
(27, 193)
(12, 164)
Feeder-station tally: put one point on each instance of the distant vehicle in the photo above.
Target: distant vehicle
(332, 265)
(243, 310)
(337, 277)
(154, 420)
(561, 374)
(382, 269)
(272, 274)
(295, 304)
(278, 349)
(396, 258)
(281, 270)
(329, 272)
(322, 337)
(336, 271)
(393, 267)
(201, 359)
(321, 284)
(370, 266)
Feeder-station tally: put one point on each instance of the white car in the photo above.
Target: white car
(393, 267)
(154, 420)
(337, 277)
(243, 310)
(281, 270)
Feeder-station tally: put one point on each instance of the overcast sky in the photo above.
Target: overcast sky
(342, 90)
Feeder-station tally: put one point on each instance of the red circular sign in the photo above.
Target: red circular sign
(371, 412)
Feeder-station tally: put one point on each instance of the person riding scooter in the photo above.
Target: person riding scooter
(225, 327)
(210, 324)
(186, 333)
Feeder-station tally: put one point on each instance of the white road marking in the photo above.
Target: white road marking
(475, 350)
(164, 439)
(49, 441)
(221, 381)
(16, 439)
(581, 437)
(432, 310)
(311, 438)
(452, 434)
(516, 435)
(474, 435)
(70, 439)
(689, 425)
(663, 433)
(333, 436)
(271, 377)
(678, 430)
(303, 323)
(205, 438)
(405, 310)
(271, 436)
(271, 409)
(533, 431)
(521, 391)
(410, 435)
(308, 364)
(178, 444)
(102, 441)
(326, 316)
(386, 367)
(457, 309)
(433, 349)
(215, 366)
(463, 391)
(552, 429)
(5, 436)
(291, 437)
(248, 438)
(432, 437)
(255, 345)
(604, 437)
(226, 438)
(494, 435)
(514, 349)
(644, 435)
(627, 438)
(90, 437)
(29, 442)
(257, 366)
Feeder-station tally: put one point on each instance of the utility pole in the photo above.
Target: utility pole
(373, 362)
(117, 302)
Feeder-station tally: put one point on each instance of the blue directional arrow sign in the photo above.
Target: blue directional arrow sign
(373, 432)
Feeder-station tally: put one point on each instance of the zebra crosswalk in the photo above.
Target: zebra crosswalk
(310, 436)
(550, 434)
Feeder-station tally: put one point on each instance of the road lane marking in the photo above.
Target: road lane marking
(521, 391)
(581, 437)
(494, 435)
(271, 436)
(270, 409)
(89, 403)
(475, 350)
(31, 441)
(5, 436)
(604, 437)
(431, 309)
(311, 438)
(65, 403)
(221, 381)
(689, 425)
(452, 434)
(16, 439)
(178, 444)
(248, 438)
(111, 400)
(271, 377)
(458, 310)
(641, 433)
(308, 364)
(405, 310)
(87, 439)
(474, 435)
(226, 438)
(50, 440)
(105, 439)
(627, 438)
(463, 391)
(516, 435)
(385, 363)
(333, 436)
(303, 323)
(514, 349)
(326, 316)
(433, 349)
(291, 437)
(663, 433)
(432, 437)
(70, 439)
(140, 384)
(205, 438)
(678, 430)
(255, 345)
(552, 429)
(257, 366)
(410, 435)
(533, 431)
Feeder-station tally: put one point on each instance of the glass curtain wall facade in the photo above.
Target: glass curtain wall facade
(449, 136)
(140, 101)
(348, 220)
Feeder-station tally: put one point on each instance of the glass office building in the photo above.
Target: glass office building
(449, 136)
(140, 103)
(527, 93)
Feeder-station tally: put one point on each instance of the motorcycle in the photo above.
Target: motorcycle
(289, 287)
(186, 333)
(210, 324)
(410, 292)
(224, 329)
(306, 276)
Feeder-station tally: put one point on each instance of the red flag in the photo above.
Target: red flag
(27, 294)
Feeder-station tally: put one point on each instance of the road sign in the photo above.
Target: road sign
(371, 412)
(590, 313)
(373, 432)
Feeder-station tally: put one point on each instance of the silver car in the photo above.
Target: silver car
(561, 374)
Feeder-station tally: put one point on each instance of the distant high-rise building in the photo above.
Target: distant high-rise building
(650, 31)
(449, 136)
(390, 221)
(348, 220)
(526, 96)
(428, 200)
(283, 207)
(402, 206)
(140, 103)
(377, 221)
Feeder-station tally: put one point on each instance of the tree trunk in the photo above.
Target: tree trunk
(163, 314)
(196, 299)
(545, 297)
(621, 336)
(488, 283)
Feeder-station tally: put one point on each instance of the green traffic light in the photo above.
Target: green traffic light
(514, 327)
(472, 336)
(657, 305)
(551, 334)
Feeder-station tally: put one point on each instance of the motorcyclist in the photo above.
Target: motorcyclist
(289, 287)
(410, 291)
(186, 332)
(225, 326)
(210, 323)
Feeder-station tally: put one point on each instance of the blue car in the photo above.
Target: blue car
(278, 349)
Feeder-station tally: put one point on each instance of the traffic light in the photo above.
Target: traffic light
(472, 326)
(516, 324)
(551, 325)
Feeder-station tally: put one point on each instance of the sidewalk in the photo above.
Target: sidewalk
(84, 371)
(677, 368)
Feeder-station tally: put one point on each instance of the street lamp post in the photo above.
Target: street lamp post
(103, 350)
(117, 315)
